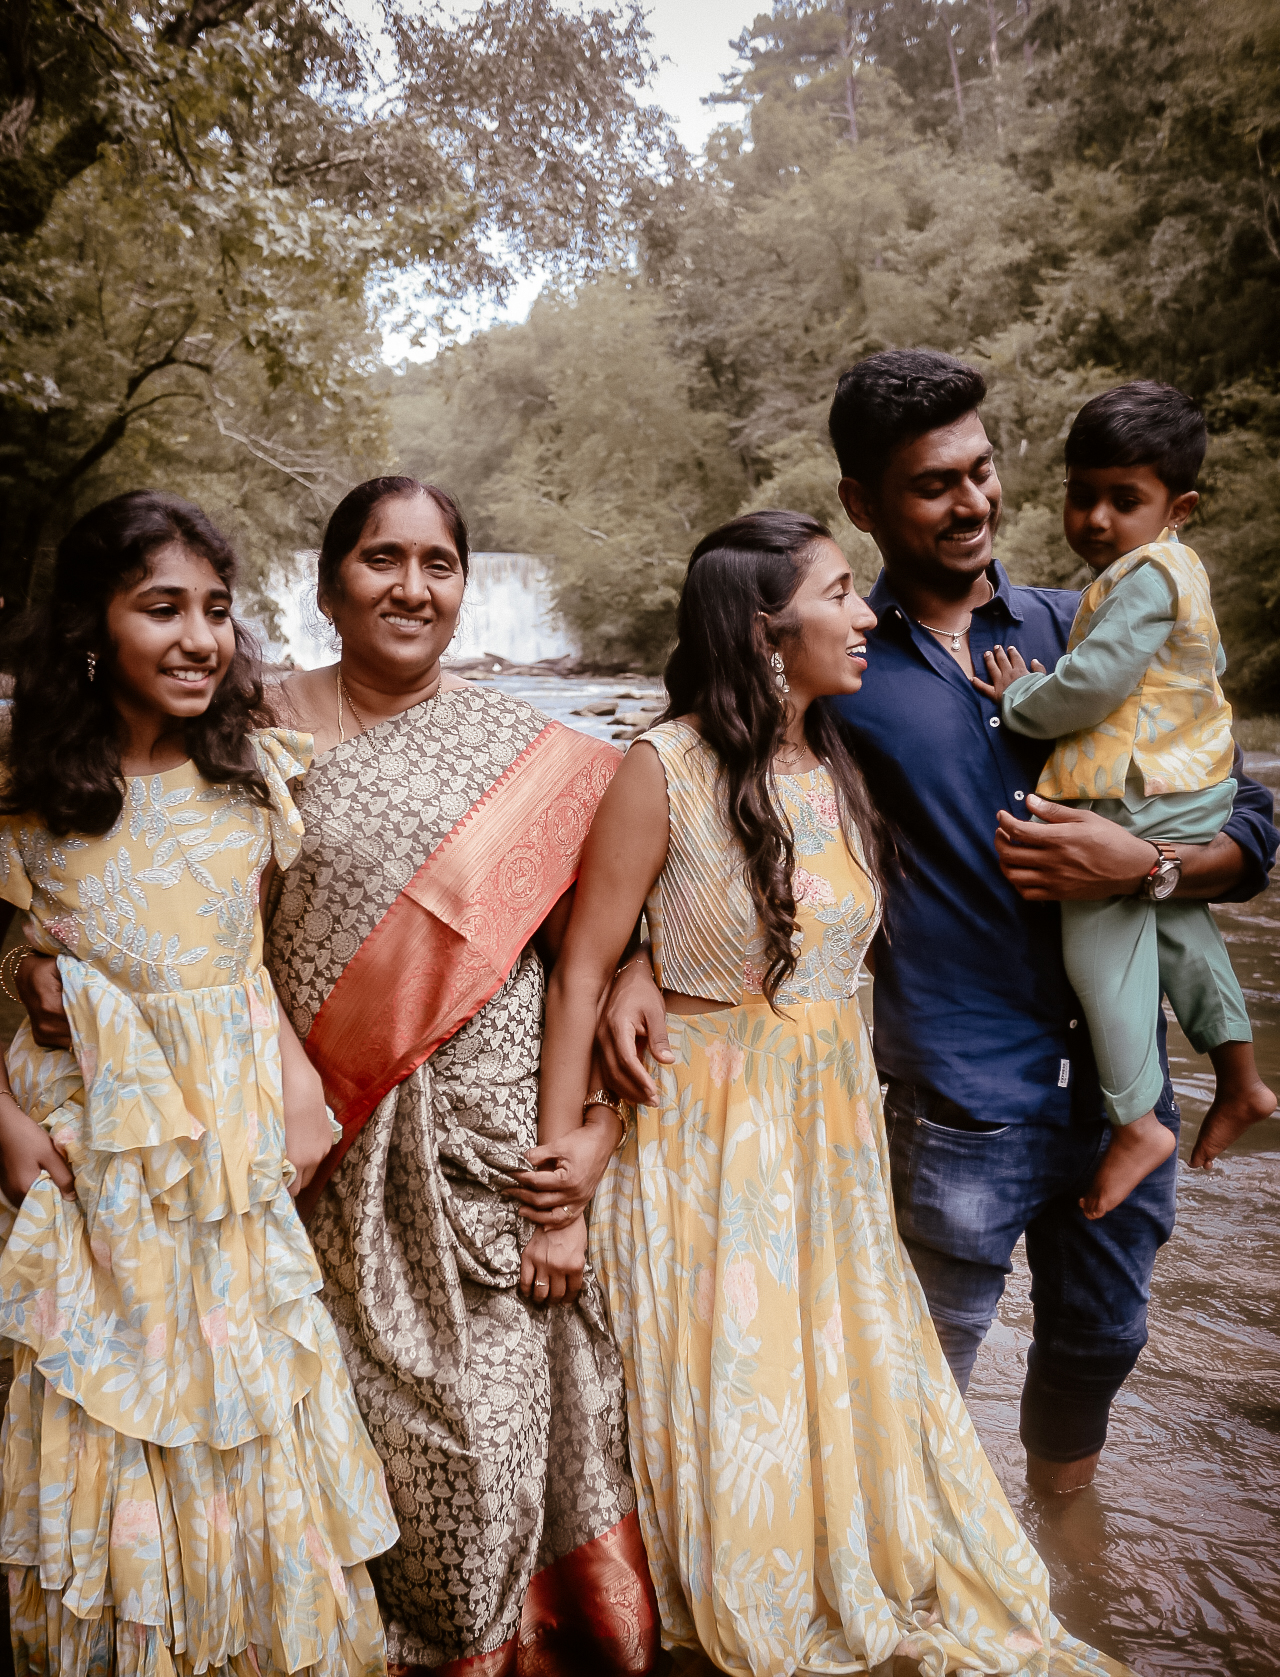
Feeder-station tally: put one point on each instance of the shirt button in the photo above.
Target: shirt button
(1073, 1024)
(995, 722)
(1019, 796)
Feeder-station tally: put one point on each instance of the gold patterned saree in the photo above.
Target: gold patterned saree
(435, 845)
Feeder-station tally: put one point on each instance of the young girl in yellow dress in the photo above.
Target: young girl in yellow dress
(187, 1484)
(812, 1494)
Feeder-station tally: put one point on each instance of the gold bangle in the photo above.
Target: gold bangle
(603, 1097)
(9, 970)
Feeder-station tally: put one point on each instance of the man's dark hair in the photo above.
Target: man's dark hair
(1141, 424)
(893, 397)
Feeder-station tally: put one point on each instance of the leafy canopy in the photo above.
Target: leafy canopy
(206, 212)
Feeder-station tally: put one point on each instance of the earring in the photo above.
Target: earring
(91, 660)
(1174, 536)
(779, 673)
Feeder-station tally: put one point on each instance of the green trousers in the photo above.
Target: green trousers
(1120, 954)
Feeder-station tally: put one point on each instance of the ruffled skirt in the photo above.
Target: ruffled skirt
(188, 1485)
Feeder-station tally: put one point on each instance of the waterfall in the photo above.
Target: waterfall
(506, 610)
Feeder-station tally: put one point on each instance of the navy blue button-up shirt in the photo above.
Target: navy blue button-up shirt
(971, 996)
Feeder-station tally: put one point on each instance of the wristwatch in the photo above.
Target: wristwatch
(1163, 879)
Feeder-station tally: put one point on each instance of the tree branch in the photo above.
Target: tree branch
(184, 30)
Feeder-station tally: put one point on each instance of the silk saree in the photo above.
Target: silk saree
(435, 844)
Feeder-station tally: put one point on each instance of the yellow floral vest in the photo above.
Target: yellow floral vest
(1175, 727)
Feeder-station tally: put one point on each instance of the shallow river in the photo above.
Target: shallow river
(1171, 1560)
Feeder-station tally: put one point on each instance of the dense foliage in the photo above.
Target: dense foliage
(1067, 192)
(208, 208)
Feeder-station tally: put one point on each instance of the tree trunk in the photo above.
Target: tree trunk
(850, 86)
(955, 80)
(1028, 45)
(993, 25)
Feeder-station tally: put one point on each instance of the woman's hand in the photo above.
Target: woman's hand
(551, 1267)
(39, 984)
(634, 1017)
(566, 1172)
(308, 1134)
(27, 1148)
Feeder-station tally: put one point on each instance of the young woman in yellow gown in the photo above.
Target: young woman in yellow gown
(187, 1486)
(812, 1494)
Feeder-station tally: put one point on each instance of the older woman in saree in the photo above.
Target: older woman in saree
(443, 827)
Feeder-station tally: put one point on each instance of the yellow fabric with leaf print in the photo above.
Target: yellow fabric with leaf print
(812, 1494)
(188, 1486)
(1175, 727)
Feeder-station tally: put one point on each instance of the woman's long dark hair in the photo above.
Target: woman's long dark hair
(64, 750)
(719, 672)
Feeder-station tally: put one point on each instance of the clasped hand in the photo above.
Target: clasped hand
(552, 1263)
(564, 1173)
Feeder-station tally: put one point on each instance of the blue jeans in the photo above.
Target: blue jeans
(965, 1191)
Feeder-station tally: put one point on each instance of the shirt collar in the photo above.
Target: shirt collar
(884, 602)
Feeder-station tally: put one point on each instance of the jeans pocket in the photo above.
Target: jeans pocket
(970, 1132)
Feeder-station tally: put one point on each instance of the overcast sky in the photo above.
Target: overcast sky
(693, 36)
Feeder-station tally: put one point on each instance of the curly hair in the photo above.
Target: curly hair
(64, 751)
(740, 578)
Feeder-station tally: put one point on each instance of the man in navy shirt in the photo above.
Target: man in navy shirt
(992, 1105)
(993, 1110)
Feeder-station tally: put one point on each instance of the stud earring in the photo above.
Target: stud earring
(91, 662)
(779, 673)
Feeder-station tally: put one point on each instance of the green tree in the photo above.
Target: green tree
(207, 211)
(575, 437)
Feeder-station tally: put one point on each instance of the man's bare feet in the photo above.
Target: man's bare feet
(1061, 1477)
(1136, 1150)
(1228, 1118)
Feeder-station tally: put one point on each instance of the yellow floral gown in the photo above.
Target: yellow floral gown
(188, 1485)
(812, 1494)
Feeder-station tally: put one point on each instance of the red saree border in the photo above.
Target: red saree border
(451, 937)
(592, 1613)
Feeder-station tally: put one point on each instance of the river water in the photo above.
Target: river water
(1171, 1559)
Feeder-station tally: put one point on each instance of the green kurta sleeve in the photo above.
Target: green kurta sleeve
(1128, 629)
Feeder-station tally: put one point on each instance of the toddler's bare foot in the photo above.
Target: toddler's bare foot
(1228, 1118)
(1136, 1150)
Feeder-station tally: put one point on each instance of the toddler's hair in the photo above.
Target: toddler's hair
(1141, 424)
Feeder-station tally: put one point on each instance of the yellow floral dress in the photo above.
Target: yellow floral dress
(812, 1494)
(188, 1485)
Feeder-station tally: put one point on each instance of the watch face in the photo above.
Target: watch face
(1165, 882)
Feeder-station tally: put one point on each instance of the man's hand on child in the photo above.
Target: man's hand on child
(1004, 666)
(27, 1148)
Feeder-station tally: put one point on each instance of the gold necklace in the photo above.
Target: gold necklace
(957, 635)
(342, 689)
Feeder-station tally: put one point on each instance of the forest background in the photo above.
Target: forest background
(209, 215)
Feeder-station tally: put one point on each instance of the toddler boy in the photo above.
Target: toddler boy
(1144, 738)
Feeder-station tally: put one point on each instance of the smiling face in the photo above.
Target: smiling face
(399, 593)
(936, 509)
(826, 653)
(171, 637)
(1110, 510)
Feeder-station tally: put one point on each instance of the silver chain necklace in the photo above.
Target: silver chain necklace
(957, 635)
